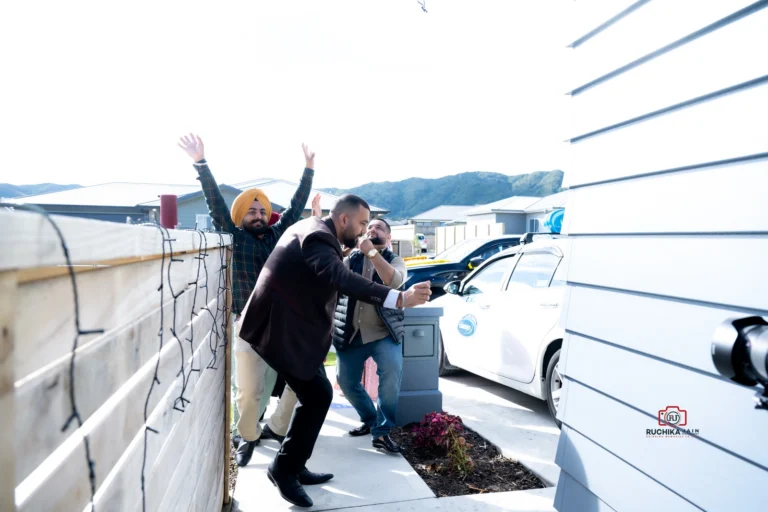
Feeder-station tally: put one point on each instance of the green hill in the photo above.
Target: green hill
(416, 195)
(10, 191)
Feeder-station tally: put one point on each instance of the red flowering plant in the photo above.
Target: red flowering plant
(435, 430)
(442, 430)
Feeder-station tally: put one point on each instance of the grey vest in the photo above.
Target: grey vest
(342, 321)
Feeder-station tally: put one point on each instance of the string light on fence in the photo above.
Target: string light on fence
(79, 331)
(219, 329)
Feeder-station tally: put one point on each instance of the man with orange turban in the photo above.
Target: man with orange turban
(254, 238)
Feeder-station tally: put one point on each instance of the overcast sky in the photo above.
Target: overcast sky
(101, 91)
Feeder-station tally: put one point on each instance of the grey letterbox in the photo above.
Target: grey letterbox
(419, 392)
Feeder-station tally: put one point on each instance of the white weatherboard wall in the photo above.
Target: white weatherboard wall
(668, 212)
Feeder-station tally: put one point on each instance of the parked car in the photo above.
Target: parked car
(422, 241)
(457, 261)
(502, 321)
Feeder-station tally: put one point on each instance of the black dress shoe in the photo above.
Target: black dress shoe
(244, 452)
(266, 433)
(289, 487)
(387, 444)
(306, 477)
(362, 430)
(236, 441)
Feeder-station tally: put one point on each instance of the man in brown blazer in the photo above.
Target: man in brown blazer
(289, 320)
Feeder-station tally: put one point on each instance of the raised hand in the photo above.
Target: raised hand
(193, 145)
(309, 156)
(417, 295)
(317, 211)
(364, 244)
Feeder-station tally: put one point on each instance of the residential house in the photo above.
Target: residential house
(537, 213)
(138, 202)
(511, 212)
(427, 223)
(667, 170)
(130, 202)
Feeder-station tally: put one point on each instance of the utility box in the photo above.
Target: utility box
(419, 393)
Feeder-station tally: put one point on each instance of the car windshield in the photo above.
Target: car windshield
(461, 250)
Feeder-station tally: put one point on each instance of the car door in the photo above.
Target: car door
(470, 319)
(532, 310)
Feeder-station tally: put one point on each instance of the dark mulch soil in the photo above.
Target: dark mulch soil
(492, 472)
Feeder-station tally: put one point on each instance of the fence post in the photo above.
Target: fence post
(7, 378)
(228, 378)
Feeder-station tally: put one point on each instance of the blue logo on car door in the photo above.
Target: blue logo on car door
(467, 325)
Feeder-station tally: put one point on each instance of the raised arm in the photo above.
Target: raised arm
(391, 275)
(324, 260)
(292, 214)
(217, 206)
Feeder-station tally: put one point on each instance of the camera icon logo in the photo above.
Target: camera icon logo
(673, 416)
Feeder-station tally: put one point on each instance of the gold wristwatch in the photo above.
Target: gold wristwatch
(372, 253)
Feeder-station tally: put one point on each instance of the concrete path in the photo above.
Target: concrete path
(369, 481)
(363, 476)
(518, 424)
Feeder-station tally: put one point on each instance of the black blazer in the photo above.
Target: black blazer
(289, 318)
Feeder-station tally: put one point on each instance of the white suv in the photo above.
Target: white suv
(502, 321)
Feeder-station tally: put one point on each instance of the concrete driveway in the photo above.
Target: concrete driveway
(369, 481)
(518, 424)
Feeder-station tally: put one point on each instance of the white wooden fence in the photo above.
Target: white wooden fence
(135, 417)
(448, 236)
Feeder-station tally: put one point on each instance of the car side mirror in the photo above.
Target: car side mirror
(476, 262)
(452, 287)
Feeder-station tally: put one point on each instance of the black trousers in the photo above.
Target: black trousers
(315, 396)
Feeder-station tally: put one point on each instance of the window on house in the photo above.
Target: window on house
(533, 226)
(203, 221)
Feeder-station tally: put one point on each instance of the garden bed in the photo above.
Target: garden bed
(486, 471)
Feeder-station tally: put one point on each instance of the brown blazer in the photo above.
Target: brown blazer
(289, 318)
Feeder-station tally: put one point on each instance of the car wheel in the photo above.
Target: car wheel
(445, 366)
(554, 383)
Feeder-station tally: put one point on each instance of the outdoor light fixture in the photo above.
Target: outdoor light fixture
(740, 353)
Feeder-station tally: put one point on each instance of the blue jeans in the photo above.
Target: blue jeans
(388, 356)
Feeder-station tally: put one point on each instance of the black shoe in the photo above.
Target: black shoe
(289, 487)
(236, 441)
(245, 452)
(387, 444)
(306, 477)
(266, 433)
(362, 430)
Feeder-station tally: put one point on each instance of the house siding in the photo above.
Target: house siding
(514, 223)
(188, 210)
(541, 217)
(667, 171)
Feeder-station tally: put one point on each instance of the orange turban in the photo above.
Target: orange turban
(243, 203)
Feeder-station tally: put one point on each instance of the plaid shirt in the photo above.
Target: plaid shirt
(250, 252)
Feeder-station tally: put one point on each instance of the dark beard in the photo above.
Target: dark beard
(349, 243)
(256, 228)
(377, 241)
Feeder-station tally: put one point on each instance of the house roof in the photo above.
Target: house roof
(281, 191)
(549, 203)
(116, 194)
(443, 213)
(514, 204)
